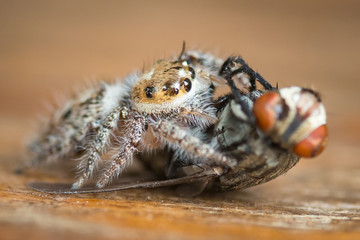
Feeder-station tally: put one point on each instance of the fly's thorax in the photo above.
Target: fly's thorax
(167, 86)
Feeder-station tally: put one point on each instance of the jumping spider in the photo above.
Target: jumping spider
(235, 141)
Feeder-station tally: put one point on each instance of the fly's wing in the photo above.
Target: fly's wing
(64, 188)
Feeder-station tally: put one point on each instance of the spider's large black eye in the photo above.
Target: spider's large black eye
(149, 92)
(187, 84)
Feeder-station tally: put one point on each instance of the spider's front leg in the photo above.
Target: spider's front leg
(176, 136)
(98, 144)
(132, 135)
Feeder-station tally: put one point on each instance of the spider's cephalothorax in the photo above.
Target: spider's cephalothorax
(239, 140)
(166, 85)
(174, 89)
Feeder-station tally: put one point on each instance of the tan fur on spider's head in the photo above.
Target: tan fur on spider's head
(164, 82)
(168, 85)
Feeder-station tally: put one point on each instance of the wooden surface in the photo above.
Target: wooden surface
(49, 47)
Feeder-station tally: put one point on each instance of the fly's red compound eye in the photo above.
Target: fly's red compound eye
(266, 110)
(313, 144)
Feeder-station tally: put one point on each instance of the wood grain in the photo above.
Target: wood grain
(54, 45)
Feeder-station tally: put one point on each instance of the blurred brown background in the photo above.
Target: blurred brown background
(53, 46)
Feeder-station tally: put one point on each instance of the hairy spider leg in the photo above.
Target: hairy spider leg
(175, 135)
(132, 136)
(67, 130)
(98, 145)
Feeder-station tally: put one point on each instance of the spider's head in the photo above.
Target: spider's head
(166, 86)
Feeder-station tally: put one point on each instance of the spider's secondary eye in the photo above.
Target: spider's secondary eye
(192, 72)
(184, 63)
(149, 92)
(187, 84)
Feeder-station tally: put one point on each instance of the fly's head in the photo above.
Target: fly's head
(166, 87)
(295, 118)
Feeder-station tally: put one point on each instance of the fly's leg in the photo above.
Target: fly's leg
(98, 144)
(231, 68)
(178, 136)
(132, 136)
(227, 70)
